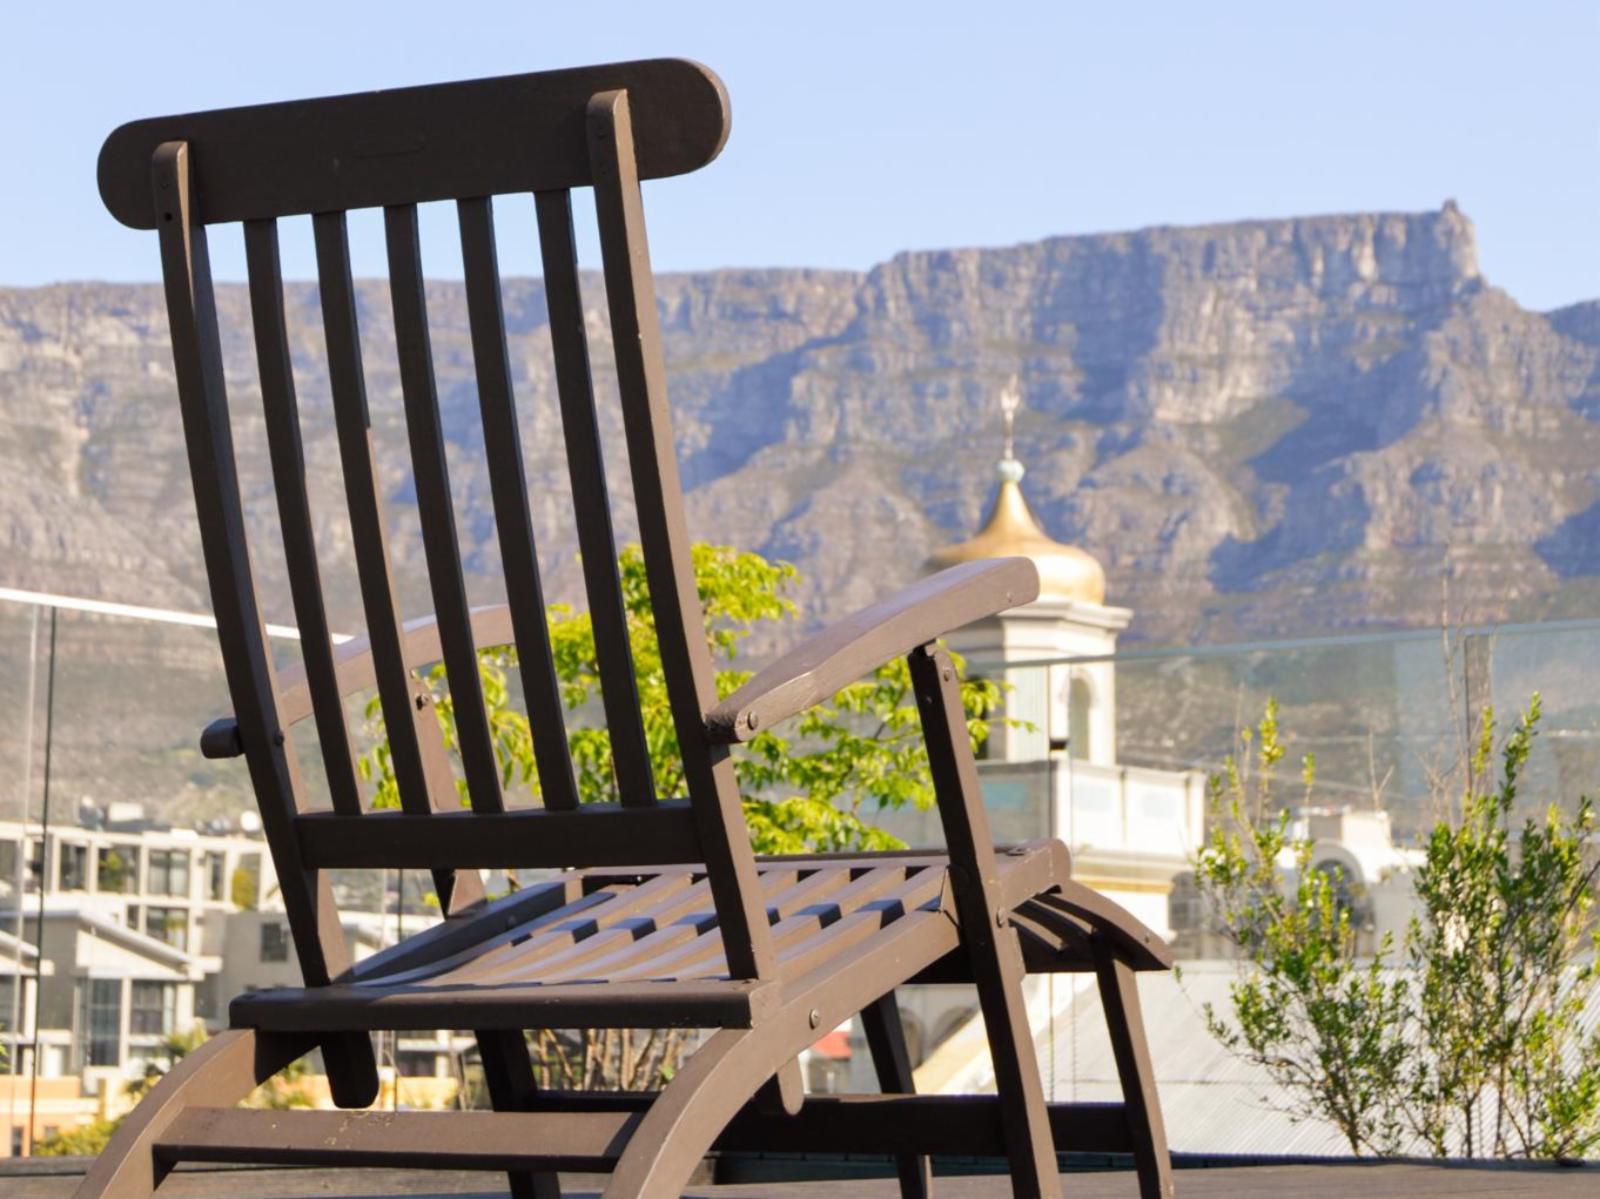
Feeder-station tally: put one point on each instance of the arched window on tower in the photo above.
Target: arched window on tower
(1080, 701)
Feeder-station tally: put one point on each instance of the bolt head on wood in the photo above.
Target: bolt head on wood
(815, 1018)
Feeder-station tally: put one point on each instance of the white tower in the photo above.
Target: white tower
(1070, 708)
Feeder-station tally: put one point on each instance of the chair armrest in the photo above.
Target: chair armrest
(491, 625)
(845, 651)
(221, 739)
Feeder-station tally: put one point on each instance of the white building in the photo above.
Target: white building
(1050, 768)
(134, 917)
(147, 932)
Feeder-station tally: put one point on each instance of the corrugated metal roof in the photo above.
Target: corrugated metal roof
(1213, 1100)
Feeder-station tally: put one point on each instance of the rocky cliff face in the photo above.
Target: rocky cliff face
(1261, 428)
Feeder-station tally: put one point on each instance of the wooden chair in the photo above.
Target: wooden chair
(663, 917)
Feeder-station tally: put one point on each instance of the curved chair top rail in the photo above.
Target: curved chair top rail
(416, 144)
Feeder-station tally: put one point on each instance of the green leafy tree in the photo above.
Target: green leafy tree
(285, 1090)
(814, 786)
(85, 1140)
(171, 1050)
(281, 1092)
(1328, 1028)
(1500, 953)
(114, 872)
(243, 888)
(818, 785)
(1467, 1037)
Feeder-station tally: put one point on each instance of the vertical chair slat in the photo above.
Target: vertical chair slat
(505, 1056)
(663, 530)
(422, 772)
(619, 693)
(508, 487)
(282, 415)
(435, 508)
(274, 771)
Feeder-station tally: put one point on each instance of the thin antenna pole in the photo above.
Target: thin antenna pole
(399, 935)
(1010, 401)
(44, 875)
(22, 866)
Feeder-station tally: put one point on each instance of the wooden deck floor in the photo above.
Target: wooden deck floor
(1340, 1181)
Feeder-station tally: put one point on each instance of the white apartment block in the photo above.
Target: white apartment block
(134, 924)
(148, 931)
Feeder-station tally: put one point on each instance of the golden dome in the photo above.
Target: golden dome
(1065, 571)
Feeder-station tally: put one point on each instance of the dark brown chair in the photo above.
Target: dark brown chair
(664, 917)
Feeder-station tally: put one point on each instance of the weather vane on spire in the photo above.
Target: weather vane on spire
(1010, 401)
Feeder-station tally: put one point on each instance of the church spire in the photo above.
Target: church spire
(1066, 573)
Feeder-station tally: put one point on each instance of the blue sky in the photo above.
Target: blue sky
(865, 128)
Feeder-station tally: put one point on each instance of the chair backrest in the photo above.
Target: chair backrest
(548, 133)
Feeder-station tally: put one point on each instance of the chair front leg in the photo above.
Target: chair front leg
(886, 1041)
(508, 1075)
(1119, 998)
(986, 930)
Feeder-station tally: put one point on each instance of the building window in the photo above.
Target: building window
(152, 1010)
(168, 924)
(274, 943)
(35, 864)
(169, 872)
(216, 876)
(10, 1017)
(100, 1021)
(73, 871)
(1079, 702)
(417, 1064)
(118, 868)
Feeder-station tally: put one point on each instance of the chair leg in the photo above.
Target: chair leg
(1119, 997)
(352, 1068)
(886, 1040)
(688, 1115)
(217, 1074)
(986, 930)
(508, 1074)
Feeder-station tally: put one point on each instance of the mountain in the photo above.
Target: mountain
(1262, 428)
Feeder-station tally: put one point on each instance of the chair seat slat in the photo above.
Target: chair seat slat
(697, 1003)
(672, 942)
(620, 921)
(821, 912)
